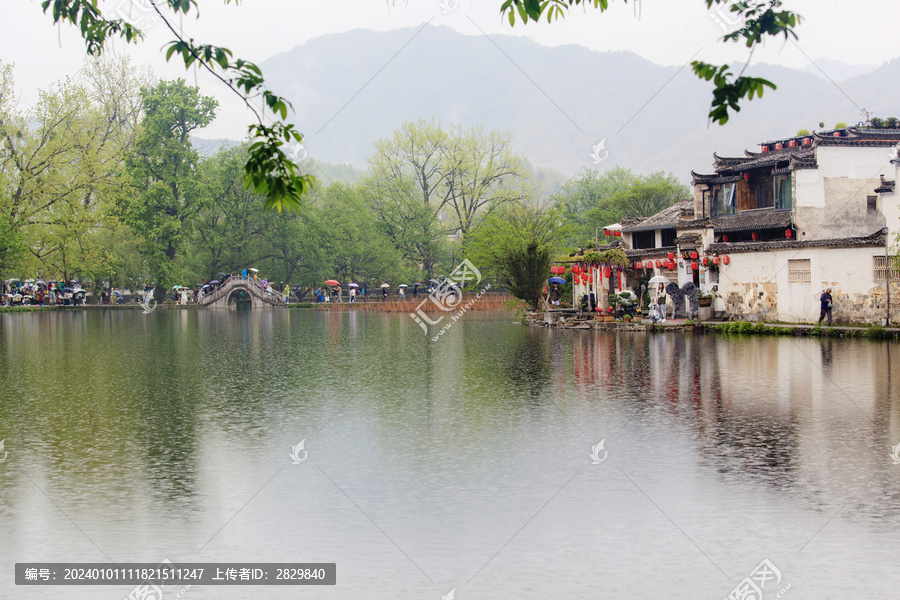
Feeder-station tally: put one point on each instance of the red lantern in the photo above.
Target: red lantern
(617, 233)
(715, 260)
(694, 255)
(606, 232)
(725, 260)
(747, 175)
(671, 265)
(659, 264)
(607, 272)
(725, 238)
(544, 290)
(694, 266)
(671, 256)
(638, 265)
(788, 233)
(705, 260)
(754, 235)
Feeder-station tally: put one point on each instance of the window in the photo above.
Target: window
(871, 203)
(799, 271)
(723, 200)
(881, 271)
(783, 191)
(765, 193)
(668, 237)
(643, 239)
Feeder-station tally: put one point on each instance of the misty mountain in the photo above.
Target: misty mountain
(350, 89)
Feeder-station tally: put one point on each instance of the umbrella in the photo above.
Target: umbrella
(254, 270)
(558, 280)
(220, 274)
(117, 294)
(418, 284)
(434, 281)
(384, 285)
(29, 281)
(68, 289)
(214, 282)
(353, 285)
(658, 279)
(206, 286)
(332, 282)
(402, 285)
(177, 287)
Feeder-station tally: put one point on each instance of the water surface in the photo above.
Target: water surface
(460, 464)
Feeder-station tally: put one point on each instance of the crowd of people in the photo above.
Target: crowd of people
(38, 292)
(334, 293)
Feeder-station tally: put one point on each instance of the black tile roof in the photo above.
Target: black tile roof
(874, 240)
(753, 220)
(689, 239)
(659, 253)
(668, 218)
(887, 186)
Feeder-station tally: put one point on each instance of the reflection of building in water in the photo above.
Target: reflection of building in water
(770, 409)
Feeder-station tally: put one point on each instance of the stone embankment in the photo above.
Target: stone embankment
(569, 319)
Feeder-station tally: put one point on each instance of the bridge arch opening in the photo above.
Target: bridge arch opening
(239, 298)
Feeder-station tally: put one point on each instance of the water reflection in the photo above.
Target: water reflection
(152, 431)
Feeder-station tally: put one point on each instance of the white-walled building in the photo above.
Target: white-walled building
(772, 229)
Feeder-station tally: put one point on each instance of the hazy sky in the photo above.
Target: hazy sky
(668, 32)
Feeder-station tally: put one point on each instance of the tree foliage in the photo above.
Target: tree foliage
(525, 269)
(269, 171)
(597, 199)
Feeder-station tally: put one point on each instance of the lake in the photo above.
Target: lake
(499, 461)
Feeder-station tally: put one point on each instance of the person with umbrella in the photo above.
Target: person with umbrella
(660, 299)
(384, 292)
(555, 291)
(352, 291)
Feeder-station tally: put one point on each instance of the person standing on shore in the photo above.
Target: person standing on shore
(826, 301)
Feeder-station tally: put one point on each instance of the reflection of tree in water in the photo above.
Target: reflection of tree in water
(527, 364)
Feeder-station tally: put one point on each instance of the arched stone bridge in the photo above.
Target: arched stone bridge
(240, 288)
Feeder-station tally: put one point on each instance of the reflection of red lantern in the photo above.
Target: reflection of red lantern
(607, 272)
(788, 233)
(694, 266)
(694, 255)
(715, 260)
(591, 279)
(726, 260)
(671, 256)
(754, 235)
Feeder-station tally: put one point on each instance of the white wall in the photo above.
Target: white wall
(760, 281)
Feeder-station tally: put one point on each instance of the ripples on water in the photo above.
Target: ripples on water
(463, 463)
